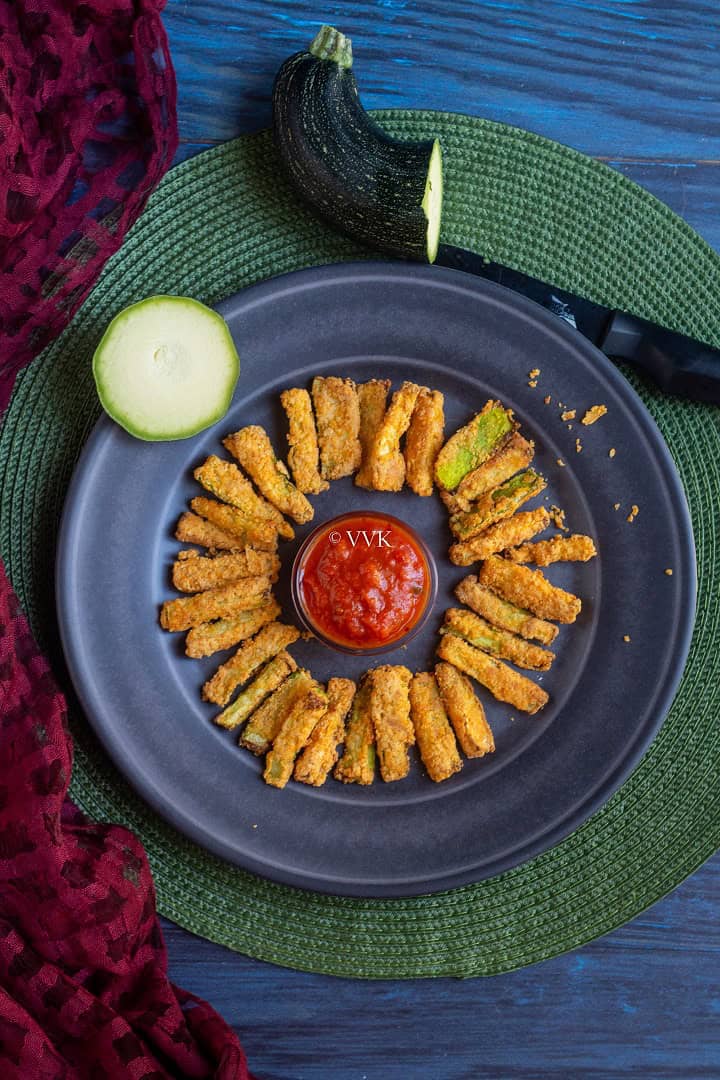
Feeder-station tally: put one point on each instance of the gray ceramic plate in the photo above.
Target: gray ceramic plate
(472, 340)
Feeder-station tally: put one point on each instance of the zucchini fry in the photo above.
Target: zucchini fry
(390, 716)
(435, 739)
(225, 481)
(357, 764)
(320, 754)
(271, 676)
(252, 449)
(423, 441)
(502, 613)
(473, 444)
(575, 548)
(304, 453)
(337, 412)
(476, 631)
(372, 397)
(515, 455)
(192, 529)
(266, 721)
(388, 464)
(297, 727)
(498, 504)
(193, 572)
(530, 589)
(211, 637)
(251, 656)
(465, 711)
(502, 682)
(505, 534)
(223, 602)
(249, 531)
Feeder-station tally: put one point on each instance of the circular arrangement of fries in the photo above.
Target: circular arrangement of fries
(482, 473)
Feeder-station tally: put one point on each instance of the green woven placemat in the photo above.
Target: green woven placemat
(224, 220)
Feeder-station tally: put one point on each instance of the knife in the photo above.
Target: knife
(679, 365)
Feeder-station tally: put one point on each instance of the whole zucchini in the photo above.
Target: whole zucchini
(382, 191)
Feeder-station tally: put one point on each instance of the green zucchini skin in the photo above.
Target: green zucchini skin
(343, 165)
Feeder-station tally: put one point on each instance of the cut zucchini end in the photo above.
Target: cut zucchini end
(432, 201)
(166, 368)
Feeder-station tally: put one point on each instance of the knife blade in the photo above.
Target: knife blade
(679, 365)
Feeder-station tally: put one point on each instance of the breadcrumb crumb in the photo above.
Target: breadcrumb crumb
(626, 637)
(594, 414)
(578, 446)
(557, 516)
(616, 506)
(533, 383)
(547, 399)
(561, 463)
(634, 511)
(668, 572)
(569, 414)
(534, 373)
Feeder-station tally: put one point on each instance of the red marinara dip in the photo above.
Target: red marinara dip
(363, 580)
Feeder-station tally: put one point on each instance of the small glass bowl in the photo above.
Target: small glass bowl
(302, 557)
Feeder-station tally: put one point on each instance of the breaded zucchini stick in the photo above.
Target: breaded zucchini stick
(271, 676)
(252, 448)
(372, 397)
(337, 412)
(297, 727)
(502, 613)
(513, 530)
(500, 503)
(388, 464)
(502, 682)
(266, 721)
(193, 572)
(317, 759)
(515, 455)
(251, 656)
(465, 711)
(192, 529)
(435, 739)
(357, 764)
(304, 452)
(390, 715)
(211, 637)
(223, 602)
(575, 548)
(225, 481)
(475, 630)
(530, 589)
(423, 440)
(249, 531)
(473, 444)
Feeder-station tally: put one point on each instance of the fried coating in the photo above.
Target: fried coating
(575, 548)
(252, 448)
(271, 676)
(497, 505)
(297, 727)
(317, 759)
(514, 456)
(193, 572)
(505, 534)
(473, 444)
(211, 637)
(225, 481)
(502, 682)
(337, 412)
(221, 603)
(390, 715)
(304, 452)
(423, 441)
(502, 613)
(266, 721)
(372, 397)
(192, 529)
(529, 589)
(387, 463)
(249, 531)
(476, 631)
(357, 764)
(465, 711)
(435, 739)
(251, 655)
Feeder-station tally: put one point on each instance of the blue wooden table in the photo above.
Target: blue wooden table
(635, 83)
